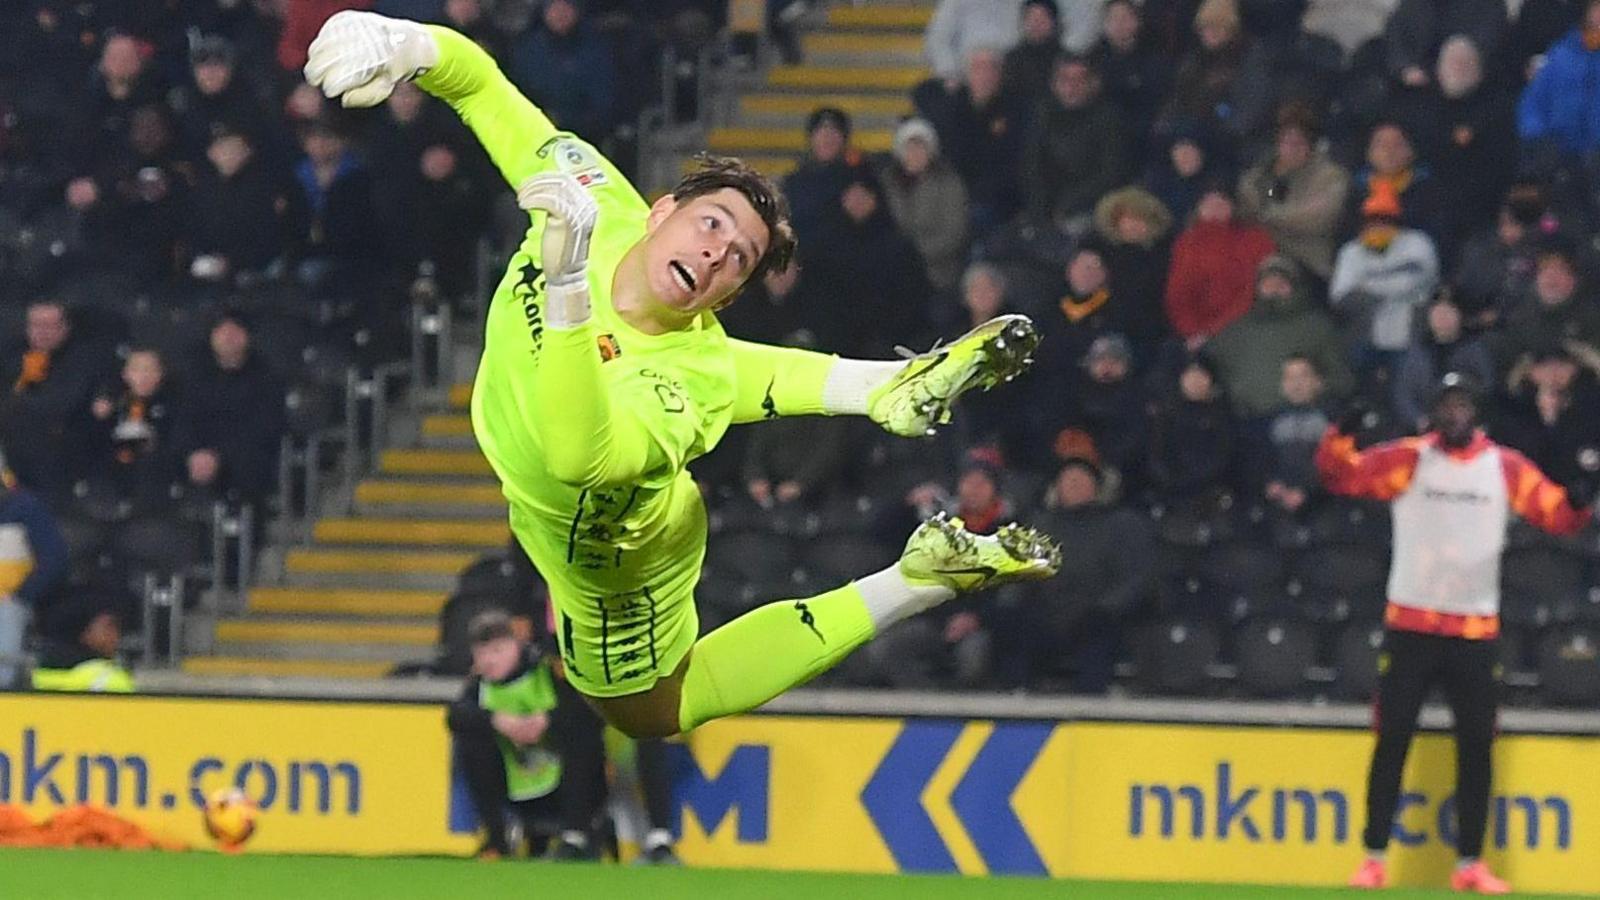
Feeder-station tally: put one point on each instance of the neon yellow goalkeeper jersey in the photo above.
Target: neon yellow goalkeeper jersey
(621, 558)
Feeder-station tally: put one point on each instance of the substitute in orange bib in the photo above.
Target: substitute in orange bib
(1452, 492)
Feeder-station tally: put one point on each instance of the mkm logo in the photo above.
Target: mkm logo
(1233, 810)
(741, 789)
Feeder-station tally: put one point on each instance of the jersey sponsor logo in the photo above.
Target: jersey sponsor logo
(527, 291)
(574, 157)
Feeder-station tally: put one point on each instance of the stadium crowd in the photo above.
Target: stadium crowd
(1234, 221)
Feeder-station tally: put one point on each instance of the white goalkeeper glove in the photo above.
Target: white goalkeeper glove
(570, 213)
(359, 57)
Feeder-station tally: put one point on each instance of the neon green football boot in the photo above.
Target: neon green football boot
(918, 398)
(943, 553)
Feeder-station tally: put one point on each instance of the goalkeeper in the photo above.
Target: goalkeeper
(605, 371)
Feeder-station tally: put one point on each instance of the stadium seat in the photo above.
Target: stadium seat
(850, 514)
(837, 558)
(752, 555)
(164, 545)
(1174, 656)
(1338, 520)
(1541, 585)
(1355, 659)
(1246, 578)
(1272, 654)
(308, 408)
(1569, 667)
(491, 574)
(1339, 582)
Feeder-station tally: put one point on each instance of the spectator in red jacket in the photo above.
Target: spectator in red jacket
(1212, 280)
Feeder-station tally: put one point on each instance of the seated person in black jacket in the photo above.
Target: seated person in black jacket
(505, 736)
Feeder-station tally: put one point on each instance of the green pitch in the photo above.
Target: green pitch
(111, 875)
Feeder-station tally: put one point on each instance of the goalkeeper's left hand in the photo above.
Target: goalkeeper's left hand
(359, 57)
(570, 214)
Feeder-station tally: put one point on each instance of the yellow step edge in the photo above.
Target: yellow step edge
(793, 140)
(431, 532)
(301, 562)
(847, 42)
(461, 395)
(305, 668)
(256, 631)
(434, 462)
(770, 166)
(446, 426)
(880, 16)
(442, 492)
(346, 601)
(886, 78)
(801, 105)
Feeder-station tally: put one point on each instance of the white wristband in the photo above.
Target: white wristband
(566, 303)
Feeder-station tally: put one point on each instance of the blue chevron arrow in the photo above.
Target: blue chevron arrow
(893, 797)
(982, 801)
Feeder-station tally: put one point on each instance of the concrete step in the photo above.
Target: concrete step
(447, 425)
(388, 569)
(346, 602)
(485, 534)
(461, 395)
(387, 654)
(787, 140)
(268, 668)
(862, 48)
(417, 498)
(881, 16)
(847, 78)
(444, 461)
(341, 632)
(775, 109)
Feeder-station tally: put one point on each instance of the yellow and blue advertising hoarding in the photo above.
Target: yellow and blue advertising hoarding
(1116, 801)
(1067, 799)
(329, 777)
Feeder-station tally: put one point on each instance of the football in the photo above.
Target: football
(230, 817)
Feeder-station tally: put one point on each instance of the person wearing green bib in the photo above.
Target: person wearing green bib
(505, 734)
(80, 653)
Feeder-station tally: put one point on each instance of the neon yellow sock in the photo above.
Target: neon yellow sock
(769, 650)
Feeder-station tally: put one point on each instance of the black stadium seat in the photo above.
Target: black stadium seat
(1355, 658)
(1569, 667)
(752, 555)
(837, 558)
(1174, 656)
(1272, 655)
(1541, 584)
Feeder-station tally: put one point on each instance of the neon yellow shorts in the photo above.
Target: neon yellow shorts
(621, 642)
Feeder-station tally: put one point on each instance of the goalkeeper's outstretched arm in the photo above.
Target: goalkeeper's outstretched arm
(358, 57)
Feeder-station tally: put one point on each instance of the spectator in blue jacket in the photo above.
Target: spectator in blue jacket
(1560, 110)
(33, 562)
(567, 70)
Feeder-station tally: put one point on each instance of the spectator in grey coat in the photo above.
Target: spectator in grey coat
(1297, 193)
(1418, 27)
(928, 201)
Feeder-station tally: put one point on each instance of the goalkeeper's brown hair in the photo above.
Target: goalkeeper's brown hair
(713, 173)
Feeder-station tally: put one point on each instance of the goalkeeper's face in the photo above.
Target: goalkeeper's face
(700, 251)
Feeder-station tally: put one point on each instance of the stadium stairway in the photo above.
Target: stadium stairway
(864, 59)
(365, 593)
